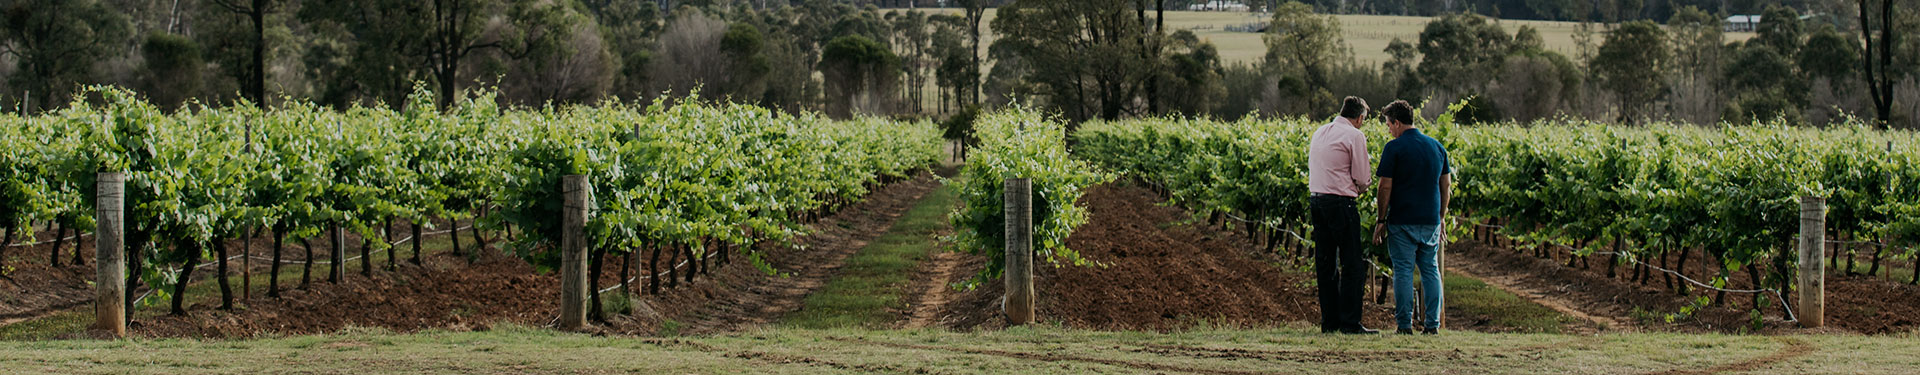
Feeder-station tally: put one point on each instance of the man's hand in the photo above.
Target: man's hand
(1379, 233)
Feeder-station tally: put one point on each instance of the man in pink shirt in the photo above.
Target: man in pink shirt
(1337, 171)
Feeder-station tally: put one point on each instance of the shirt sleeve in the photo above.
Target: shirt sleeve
(1358, 150)
(1446, 162)
(1386, 161)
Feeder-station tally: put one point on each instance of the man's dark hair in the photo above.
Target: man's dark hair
(1353, 106)
(1400, 111)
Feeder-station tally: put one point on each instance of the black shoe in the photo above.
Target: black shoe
(1403, 331)
(1360, 331)
(1430, 331)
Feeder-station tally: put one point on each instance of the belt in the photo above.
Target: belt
(1331, 196)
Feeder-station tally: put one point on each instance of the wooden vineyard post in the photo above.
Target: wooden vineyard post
(573, 259)
(1813, 274)
(109, 246)
(1019, 263)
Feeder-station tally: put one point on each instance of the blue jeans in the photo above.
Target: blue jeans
(1411, 246)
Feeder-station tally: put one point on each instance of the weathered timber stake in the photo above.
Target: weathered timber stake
(573, 259)
(109, 245)
(1813, 293)
(1019, 251)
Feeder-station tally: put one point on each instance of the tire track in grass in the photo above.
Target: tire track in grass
(1047, 357)
(783, 359)
(1795, 348)
(1345, 356)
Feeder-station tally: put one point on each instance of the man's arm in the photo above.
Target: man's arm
(1446, 193)
(1358, 151)
(1385, 194)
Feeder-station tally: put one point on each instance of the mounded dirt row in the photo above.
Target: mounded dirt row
(35, 288)
(452, 294)
(740, 297)
(1854, 303)
(1159, 274)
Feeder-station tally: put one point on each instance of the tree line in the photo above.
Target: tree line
(342, 53)
(1083, 59)
(1114, 59)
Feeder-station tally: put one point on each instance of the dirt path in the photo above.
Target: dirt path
(1576, 292)
(933, 287)
(1795, 348)
(1055, 357)
(1543, 298)
(756, 299)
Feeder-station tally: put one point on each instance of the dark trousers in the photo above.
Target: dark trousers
(1339, 262)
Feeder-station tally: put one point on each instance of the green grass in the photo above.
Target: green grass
(1470, 296)
(207, 291)
(1036, 350)
(869, 288)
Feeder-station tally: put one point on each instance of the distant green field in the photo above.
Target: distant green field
(1368, 35)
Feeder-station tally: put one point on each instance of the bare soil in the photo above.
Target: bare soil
(36, 288)
(449, 292)
(744, 296)
(1855, 303)
(446, 294)
(933, 287)
(1163, 270)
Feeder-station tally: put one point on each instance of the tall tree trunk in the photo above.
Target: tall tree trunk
(975, 12)
(259, 76)
(1879, 82)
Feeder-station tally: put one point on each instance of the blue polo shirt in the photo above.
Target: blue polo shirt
(1415, 162)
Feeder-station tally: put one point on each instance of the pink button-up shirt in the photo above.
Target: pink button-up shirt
(1337, 160)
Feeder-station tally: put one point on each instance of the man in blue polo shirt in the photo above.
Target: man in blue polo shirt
(1416, 180)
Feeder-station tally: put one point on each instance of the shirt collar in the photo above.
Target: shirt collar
(1343, 121)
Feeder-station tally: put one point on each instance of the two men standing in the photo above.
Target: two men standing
(1415, 179)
